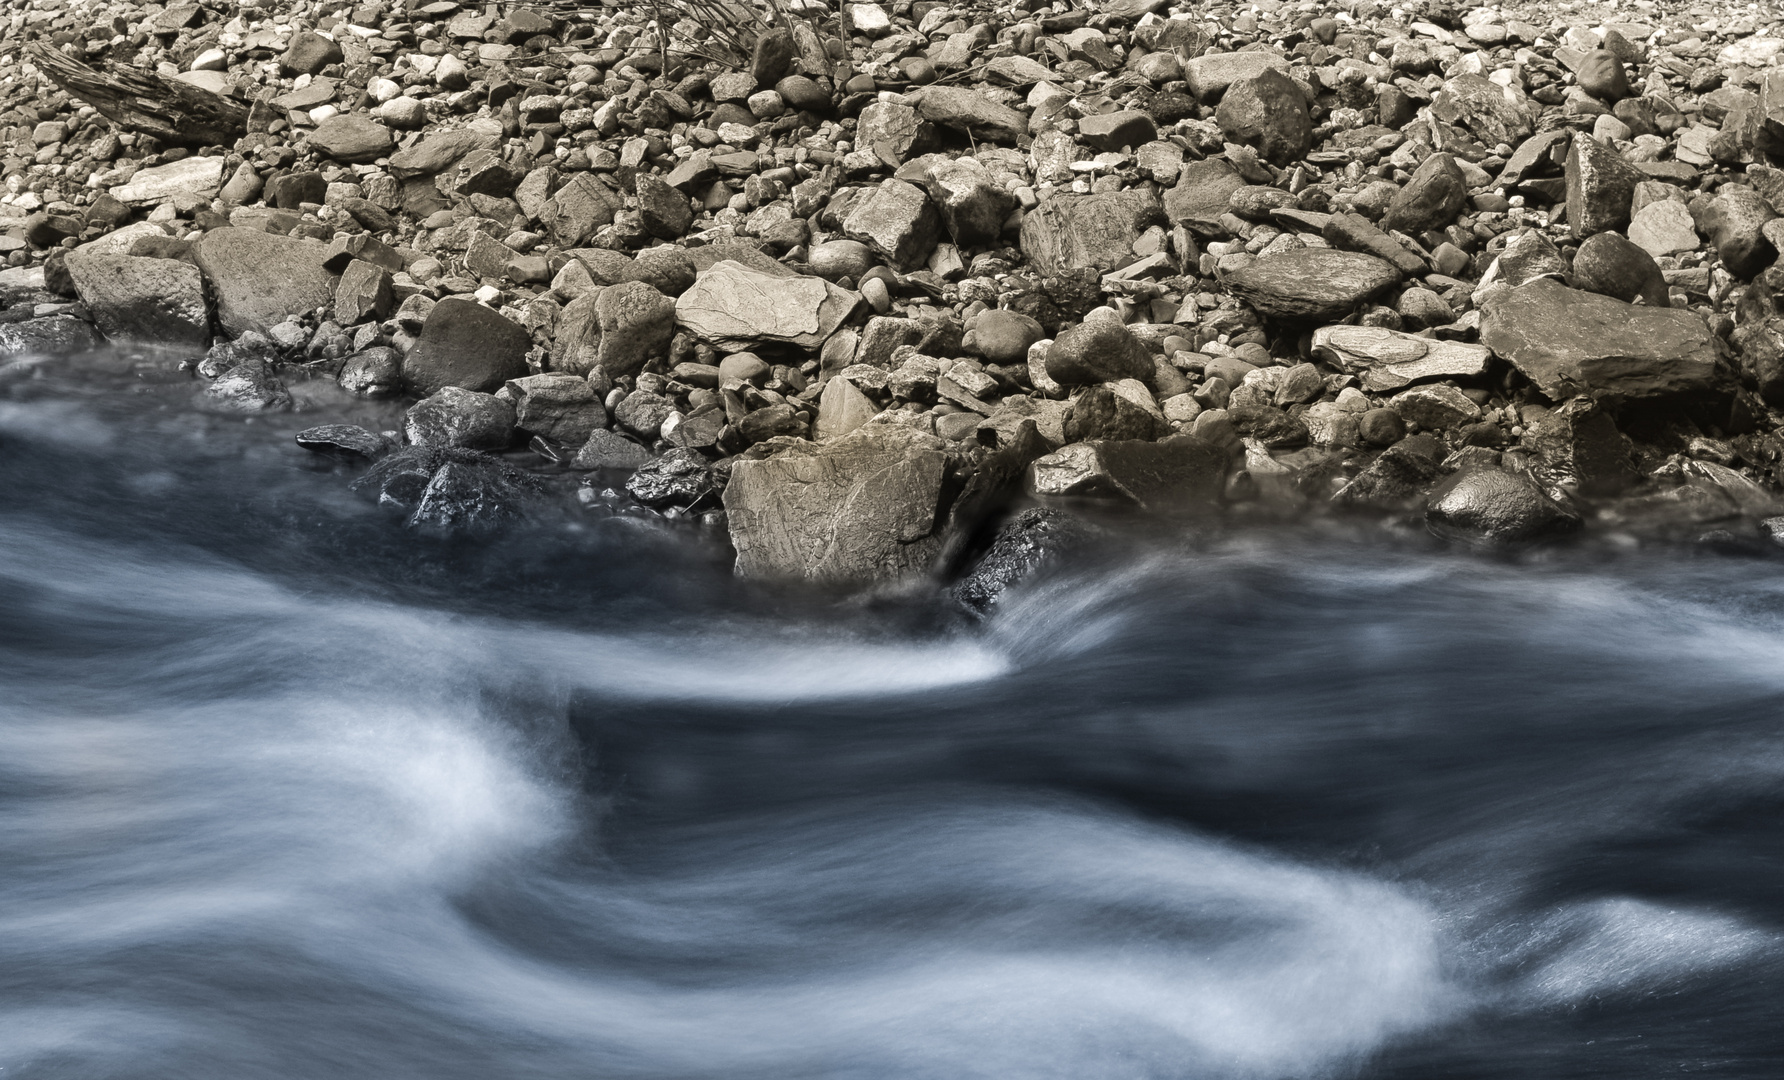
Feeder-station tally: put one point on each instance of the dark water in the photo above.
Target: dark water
(287, 793)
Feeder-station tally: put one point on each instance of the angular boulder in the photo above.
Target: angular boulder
(851, 511)
(1311, 283)
(143, 301)
(736, 309)
(1570, 342)
(258, 279)
(1074, 232)
(466, 345)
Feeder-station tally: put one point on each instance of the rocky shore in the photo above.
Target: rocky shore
(855, 287)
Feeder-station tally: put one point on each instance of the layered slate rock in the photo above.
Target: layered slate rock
(971, 112)
(466, 345)
(143, 301)
(1181, 473)
(1311, 283)
(258, 279)
(859, 508)
(1570, 342)
(1072, 232)
(1600, 187)
(735, 308)
(1391, 359)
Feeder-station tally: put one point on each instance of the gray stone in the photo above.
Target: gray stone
(365, 291)
(309, 53)
(466, 345)
(682, 478)
(352, 138)
(1202, 195)
(1311, 283)
(1181, 473)
(609, 450)
(735, 309)
(1074, 232)
(1569, 342)
(1663, 228)
(439, 152)
(190, 181)
(1734, 221)
(1494, 508)
(581, 206)
(1117, 130)
(1438, 405)
(1390, 359)
(143, 301)
(1397, 479)
(971, 111)
(663, 210)
(1431, 199)
(556, 406)
(348, 441)
(1097, 352)
(54, 335)
(841, 409)
(972, 206)
(1269, 112)
(1002, 337)
(462, 418)
(642, 413)
(851, 511)
(376, 372)
(250, 386)
(899, 222)
(1026, 547)
(892, 131)
(472, 496)
(1608, 264)
(834, 260)
(1578, 447)
(1600, 187)
(1101, 413)
(1210, 74)
(259, 279)
(631, 323)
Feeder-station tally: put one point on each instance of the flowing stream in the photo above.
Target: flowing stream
(286, 792)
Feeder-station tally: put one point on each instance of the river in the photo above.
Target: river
(287, 792)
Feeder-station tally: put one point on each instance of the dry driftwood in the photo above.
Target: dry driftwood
(175, 112)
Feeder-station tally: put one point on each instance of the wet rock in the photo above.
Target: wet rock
(736, 309)
(852, 511)
(1102, 413)
(462, 418)
(475, 495)
(466, 345)
(1035, 540)
(1269, 112)
(143, 301)
(1097, 352)
(376, 372)
(251, 386)
(259, 279)
(1072, 232)
(1311, 283)
(1182, 473)
(642, 413)
(681, 478)
(1600, 187)
(609, 450)
(1569, 342)
(1396, 480)
(1380, 427)
(1495, 508)
(1608, 264)
(347, 441)
(54, 335)
(1577, 447)
(1437, 406)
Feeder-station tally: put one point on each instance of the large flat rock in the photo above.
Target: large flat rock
(1570, 342)
(735, 308)
(143, 301)
(851, 511)
(258, 278)
(1311, 283)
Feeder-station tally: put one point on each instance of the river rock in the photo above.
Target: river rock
(1569, 342)
(1072, 232)
(972, 112)
(834, 260)
(1600, 187)
(372, 373)
(1577, 447)
(736, 309)
(348, 441)
(1495, 508)
(1101, 412)
(899, 222)
(1663, 228)
(1734, 222)
(53, 335)
(1210, 74)
(1030, 543)
(1608, 264)
(1430, 200)
(1391, 359)
(633, 322)
(609, 450)
(1180, 473)
(556, 406)
(1117, 130)
(188, 183)
(972, 206)
(681, 478)
(1311, 283)
(438, 152)
(143, 301)
(456, 417)
(1002, 337)
(664, 211)
(841, 409)
(259, 279)
(1601, 74)
(1269, 112)
(466, 345)
(851, 511)
(250, 386)
(364, 291)
(1097, 352)
(1202, 195)
(352, 138)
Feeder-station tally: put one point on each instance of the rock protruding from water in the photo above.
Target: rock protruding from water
(1023, 548)
(1492, 507)
(851, 511)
